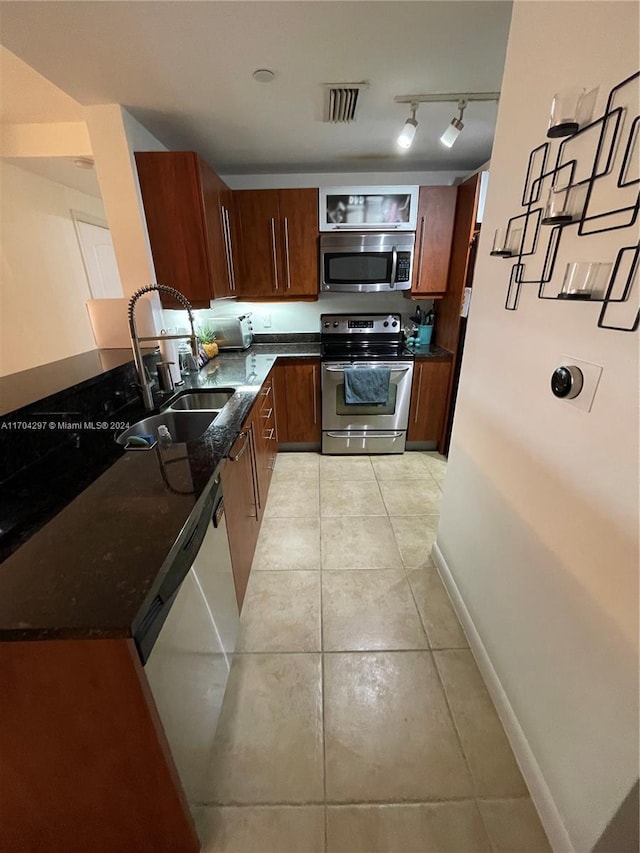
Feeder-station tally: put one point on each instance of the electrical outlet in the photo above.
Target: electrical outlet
(266, 321)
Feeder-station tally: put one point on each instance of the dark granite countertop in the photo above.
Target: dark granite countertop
(434, 352)
(29, 386)
(91, 571)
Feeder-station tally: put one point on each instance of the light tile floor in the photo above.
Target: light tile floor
(355, 718)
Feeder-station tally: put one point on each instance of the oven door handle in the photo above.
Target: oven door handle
(394, 266)
(342, 369)
(364, 434)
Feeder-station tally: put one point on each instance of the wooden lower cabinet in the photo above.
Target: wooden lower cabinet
(299, 413)
(245, 481)
(85, 762)
(266, 439)
(240, 490)
(428, 399)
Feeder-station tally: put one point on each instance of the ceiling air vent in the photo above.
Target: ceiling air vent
(341, 101)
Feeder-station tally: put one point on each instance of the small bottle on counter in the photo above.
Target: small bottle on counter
(164, 436)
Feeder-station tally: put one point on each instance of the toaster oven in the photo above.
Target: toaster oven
(233, 332)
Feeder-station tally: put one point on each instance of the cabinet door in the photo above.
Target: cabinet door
(298, 211)
(171, 194)
(227, 215)
(301, 390)
(266, 436)
(280, 391)
(242, 507)
(212, 188)
(436, 214)
(428, 399)
(259, 236)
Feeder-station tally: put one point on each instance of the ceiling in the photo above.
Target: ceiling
(61, 170)
(184, 70)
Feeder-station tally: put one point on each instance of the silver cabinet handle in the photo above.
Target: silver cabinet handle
(286, 251)
(273, 252)
(232, 274)
(266, 391)
(268, 415)
(242, 449)
(225, 239)
(421, 243)
(394, 266)
(415, 419)
(254, 471)
(315, 405)
(268, 434)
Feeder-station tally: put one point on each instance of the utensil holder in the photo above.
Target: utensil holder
(423, 339)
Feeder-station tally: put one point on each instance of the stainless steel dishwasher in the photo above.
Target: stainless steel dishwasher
(188, 665)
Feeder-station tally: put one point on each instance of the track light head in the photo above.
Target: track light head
(453, 130)
(409, 130)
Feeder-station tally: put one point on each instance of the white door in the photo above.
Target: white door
(99, 259)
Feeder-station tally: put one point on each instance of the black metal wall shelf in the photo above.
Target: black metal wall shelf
(578, 208)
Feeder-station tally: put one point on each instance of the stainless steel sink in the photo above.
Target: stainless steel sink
(183, 426)
(205, 399)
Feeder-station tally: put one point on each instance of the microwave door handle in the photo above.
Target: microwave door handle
(388, 226)
(394, 266)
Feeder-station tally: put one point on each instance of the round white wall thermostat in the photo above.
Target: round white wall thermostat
(567, 382)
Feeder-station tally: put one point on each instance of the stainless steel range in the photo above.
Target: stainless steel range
(366, 383)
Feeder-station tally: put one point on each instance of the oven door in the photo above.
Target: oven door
(393, 415)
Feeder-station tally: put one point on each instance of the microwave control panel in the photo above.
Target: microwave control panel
(403, 269)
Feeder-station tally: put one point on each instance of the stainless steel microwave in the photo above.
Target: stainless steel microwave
(370, 262)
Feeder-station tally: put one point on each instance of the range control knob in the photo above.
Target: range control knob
(336, 324)
(386, 323)
(567, 381)
(395, 323)
(326, 325)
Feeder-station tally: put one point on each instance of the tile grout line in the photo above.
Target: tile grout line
(354, 802)
(492, 847)
(455, 728)
(433, 657)
(357, 651)
(322, 670)
(406, 574)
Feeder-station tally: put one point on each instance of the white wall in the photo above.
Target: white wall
(44, 286)
(115, 136)
(338, 179)
(302, 316)
(539, 523)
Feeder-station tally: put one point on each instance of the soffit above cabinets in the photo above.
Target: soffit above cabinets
(184, 69)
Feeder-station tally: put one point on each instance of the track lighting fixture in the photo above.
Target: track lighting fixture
(409, 130)
(452, 131)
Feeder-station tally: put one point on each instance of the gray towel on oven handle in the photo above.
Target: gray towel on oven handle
(366, 385)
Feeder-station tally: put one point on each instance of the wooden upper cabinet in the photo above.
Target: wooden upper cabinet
(299, 223)
(436, 216)
(258, 232)
(215, 207)
(182, 204)
(278, 235)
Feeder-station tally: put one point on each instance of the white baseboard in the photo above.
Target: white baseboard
(538, 788)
